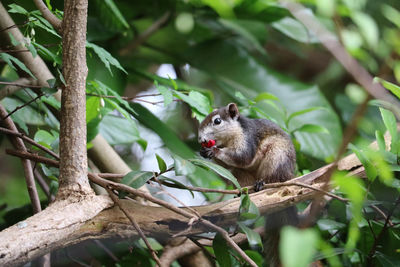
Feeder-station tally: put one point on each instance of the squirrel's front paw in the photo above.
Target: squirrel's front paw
(207, 152)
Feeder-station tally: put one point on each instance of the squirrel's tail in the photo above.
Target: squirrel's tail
(273, 224)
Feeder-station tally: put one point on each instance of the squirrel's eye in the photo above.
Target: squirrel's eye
(217, 121)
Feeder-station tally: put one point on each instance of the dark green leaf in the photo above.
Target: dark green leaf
(252, 236)
(221, 251)
(218, 169)
(14, 8)
(328, 224)
(244, 32)
(300, 112)
(161, 164)
(10, 60)
(105, 57)
(136, 179)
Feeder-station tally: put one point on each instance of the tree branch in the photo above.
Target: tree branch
(145, 35)
(15, 86)
(73, 182)
(134, 223)
(48, 15)
(19, 145)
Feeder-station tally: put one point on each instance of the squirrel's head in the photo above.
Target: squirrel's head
(221, 125)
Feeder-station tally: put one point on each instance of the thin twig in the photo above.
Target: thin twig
(33, 157)
(378, 210)
(106, 250)
(11, 89)
(42, 183)
(29, 140)
(17, 25)
(145, 35)
(147, 196)
(21, 84)
(22, 106)
(135, 224)
(20, 146)
(385, 227)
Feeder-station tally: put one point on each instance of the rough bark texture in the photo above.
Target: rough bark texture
(73, 163)
(48, 229)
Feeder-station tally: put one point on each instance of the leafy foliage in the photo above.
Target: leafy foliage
(253, 53)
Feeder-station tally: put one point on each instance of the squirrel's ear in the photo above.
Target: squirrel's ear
(233, 111)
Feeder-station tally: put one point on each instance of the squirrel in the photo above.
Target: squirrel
(256, 151)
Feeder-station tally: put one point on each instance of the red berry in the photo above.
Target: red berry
(208, 144)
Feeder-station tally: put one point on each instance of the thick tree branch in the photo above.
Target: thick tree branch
(73, 158)
(48, 15)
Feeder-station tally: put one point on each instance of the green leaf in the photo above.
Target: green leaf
(44, 138)
(117, 130)
(43, 51)
(247, 210)
(380, 140)
(10, 60)
(311, 128)
(113, 9)
(105, 57)
(265, 96)
(17, 9)
(237, 27)
(218, 169)
(395, 89)
(328, 224)
(92, 108)
(300, 112)
(182, 166)
(166, 93)
(136, 179)
(252, 236)
(175, 184)
(295, 30)
(297, 247)
(390, 123)
(221, 251)
(161, 163)
(109, 15)
(196, 101)
(370, 169)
